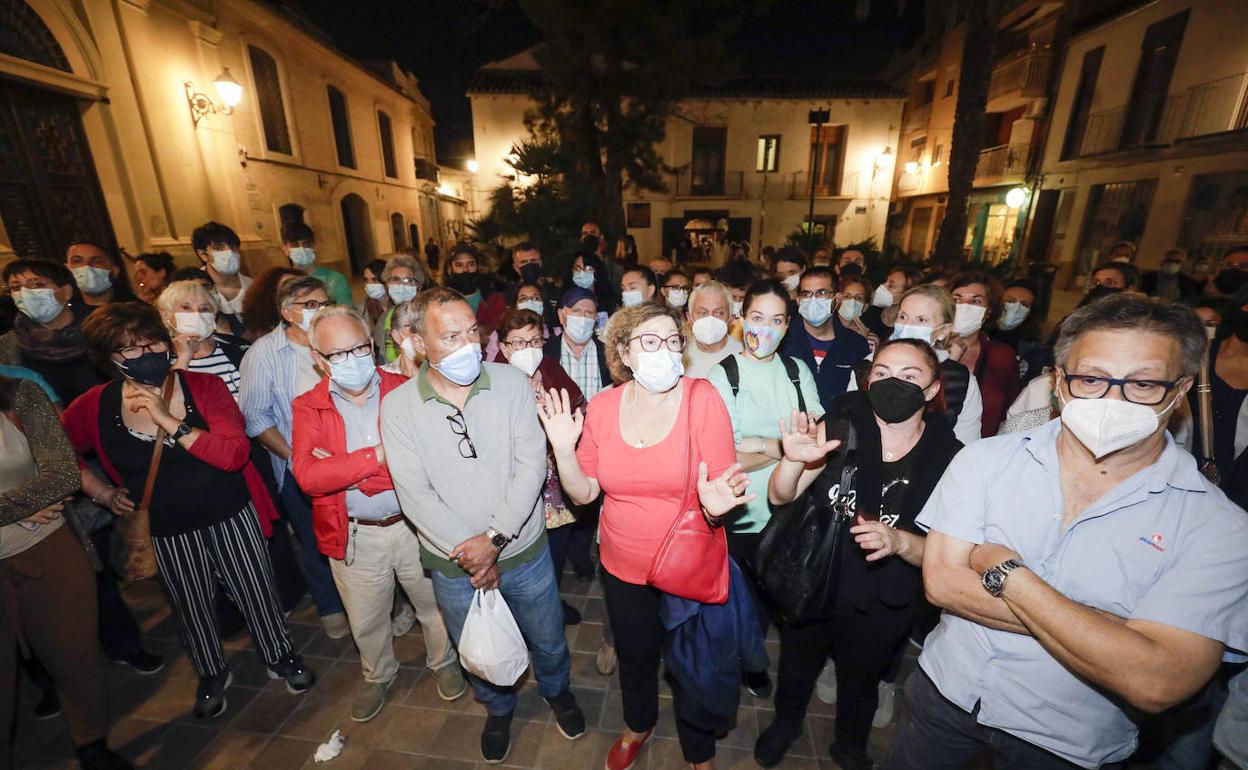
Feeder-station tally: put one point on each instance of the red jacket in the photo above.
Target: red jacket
(997, 372)
(224, 445)
(317, 424)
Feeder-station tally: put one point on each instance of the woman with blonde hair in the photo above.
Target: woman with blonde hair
(189, 312)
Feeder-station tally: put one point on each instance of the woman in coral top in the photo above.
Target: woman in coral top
(642, 445)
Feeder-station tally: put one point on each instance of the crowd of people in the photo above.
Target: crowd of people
(1055, 517)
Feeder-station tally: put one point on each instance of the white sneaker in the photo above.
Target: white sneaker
(825, 687)
(888, 701)
(401, 623)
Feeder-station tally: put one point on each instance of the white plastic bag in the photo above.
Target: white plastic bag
(491, 645)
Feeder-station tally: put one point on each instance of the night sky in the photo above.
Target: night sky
(444, 41)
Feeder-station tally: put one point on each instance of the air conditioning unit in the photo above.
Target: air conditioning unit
(1036, 109)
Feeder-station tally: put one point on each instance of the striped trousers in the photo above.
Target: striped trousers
(232, 555)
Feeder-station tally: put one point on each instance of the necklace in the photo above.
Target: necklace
(632, 415)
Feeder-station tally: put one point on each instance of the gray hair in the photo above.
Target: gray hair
(335, 311)
(179, 291)
(402, 260)
(710, 287)
(1137, 313)
(411, 314)
(296, 287)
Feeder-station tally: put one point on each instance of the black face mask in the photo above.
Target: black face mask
(464, 283)
(895, 400)
(1230, 280)
(531, 272)
(589, 243)
(147, 369)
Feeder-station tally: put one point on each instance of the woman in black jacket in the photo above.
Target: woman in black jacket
(889, 444)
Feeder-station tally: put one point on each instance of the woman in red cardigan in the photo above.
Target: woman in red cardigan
(993, 363)
(206, 495)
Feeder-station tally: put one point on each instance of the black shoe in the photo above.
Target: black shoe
(775, 741)
(850, 760)
(757, 683)
(584, 572)
(144, 662)
(298, 677)
(571, 615)
(496, 739)
(49, 705)
(568, 715)
(97, 756)
(210, 697)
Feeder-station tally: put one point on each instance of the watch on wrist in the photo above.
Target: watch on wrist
(994, 577)
(497, 539)
(183, 430)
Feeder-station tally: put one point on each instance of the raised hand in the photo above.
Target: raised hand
(721, 495)
(801, 443)
(562, 424)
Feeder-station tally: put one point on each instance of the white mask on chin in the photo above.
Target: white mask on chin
(1105, 425)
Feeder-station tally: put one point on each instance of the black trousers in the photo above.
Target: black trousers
(937, 735)
(862, 644)
(634, 614)
(119, 633)
(581, 536)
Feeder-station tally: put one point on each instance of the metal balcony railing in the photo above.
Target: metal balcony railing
(1006, 160)
(845, 187)
(690, 185)
(918, 118)
(1025, 74)
(1209, 108)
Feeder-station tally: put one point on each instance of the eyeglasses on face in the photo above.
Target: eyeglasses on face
(339, 356)
(310, 304)
(652, 342)
(132, 352)
(819, 294)
(396, 280)
(536, 342)
(460, 428)
(1146, 392)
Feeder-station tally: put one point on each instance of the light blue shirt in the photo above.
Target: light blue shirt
(363, 430)
(266, 388)
(22, 373)
(1164, 545)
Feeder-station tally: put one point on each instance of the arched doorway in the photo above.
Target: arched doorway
(49, 193)
(355, 227)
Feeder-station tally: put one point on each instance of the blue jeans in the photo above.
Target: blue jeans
(315, 566)
(533, 597)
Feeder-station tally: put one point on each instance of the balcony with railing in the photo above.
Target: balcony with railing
(690, 185)
(1023, 75)
(1215, 107)
(845, 187)
(1002, 163)
(918, 118)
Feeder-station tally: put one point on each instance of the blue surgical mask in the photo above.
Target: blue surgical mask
(400, 292)
(583, 278)
(816, 310)
(579, 328)
(354, 373)
(375, 291)
(39, 305)
(1013, 315)
(912, 332)
(302, 256)
(462, 367)
(631, 298)
(226, 262)
(92, 280)
(530, 304)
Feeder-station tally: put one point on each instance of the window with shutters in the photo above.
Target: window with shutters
(341, 123)
(387, 145)
(269, 97)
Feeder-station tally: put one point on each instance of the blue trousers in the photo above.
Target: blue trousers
(533, 598)
(298, 512)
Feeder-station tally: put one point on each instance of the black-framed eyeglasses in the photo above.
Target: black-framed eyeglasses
(459, 427)
(311, 304)
(134, 351)
(339, 356)
(820, 294)
(1146, 392)
(652, 342)
(536, 342)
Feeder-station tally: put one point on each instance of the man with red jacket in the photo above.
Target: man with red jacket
(339, 462)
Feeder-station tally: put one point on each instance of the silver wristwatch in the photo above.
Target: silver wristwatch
(497, 539)
(994, 577)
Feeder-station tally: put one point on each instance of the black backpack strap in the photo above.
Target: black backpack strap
(732, 373)
(790, 366)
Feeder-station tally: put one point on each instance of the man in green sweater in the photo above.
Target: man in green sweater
(299, 246)
(468, 459)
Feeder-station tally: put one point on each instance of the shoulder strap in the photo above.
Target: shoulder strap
(166, 392)
(733, 373)
(790, 366)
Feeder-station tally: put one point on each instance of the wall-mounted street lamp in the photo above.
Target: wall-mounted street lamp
(472, 166)
(229, 91)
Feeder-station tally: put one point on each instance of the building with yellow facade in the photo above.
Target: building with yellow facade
(116, 126)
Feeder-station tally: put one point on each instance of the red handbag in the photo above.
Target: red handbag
(692, 561)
